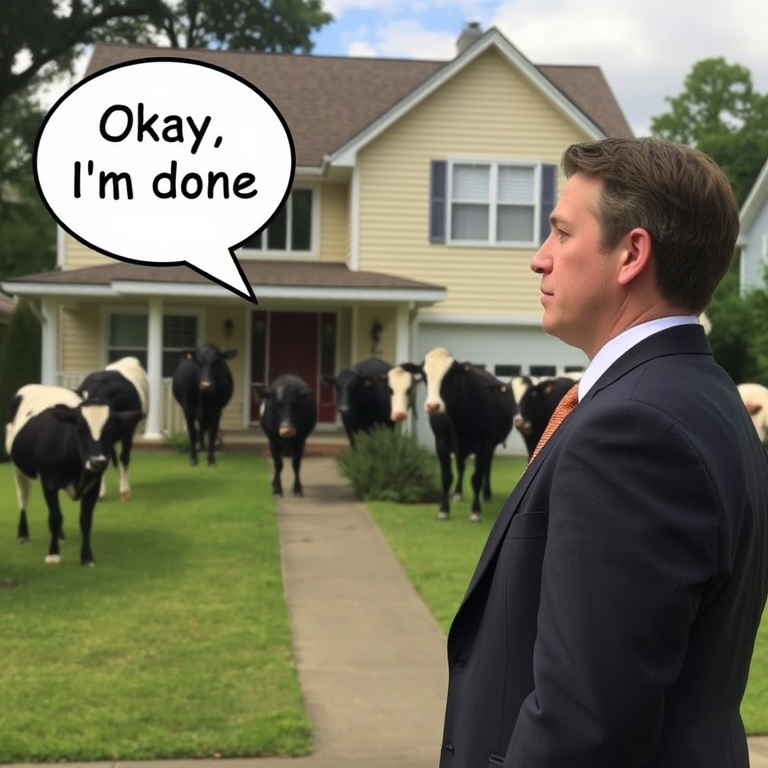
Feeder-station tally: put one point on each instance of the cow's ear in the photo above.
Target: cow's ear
(264, 392)
(64, 413)
(413, 368)
(188, 354)
(228, 354)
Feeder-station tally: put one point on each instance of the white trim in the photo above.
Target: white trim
(346, 155)
(50, 343)
(153, 426)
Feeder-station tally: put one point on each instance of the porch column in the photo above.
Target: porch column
(154, 422)
(402, 334)
(49, 351)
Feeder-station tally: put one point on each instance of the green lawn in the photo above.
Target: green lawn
(176, 644)
(440, 559)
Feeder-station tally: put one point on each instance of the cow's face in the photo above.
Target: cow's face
(400, 382)
(208, 358)
(286, 400)
(344, 382)
(90, 421)
(437, 363)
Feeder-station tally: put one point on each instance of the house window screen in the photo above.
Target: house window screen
(179, 333)
(493, 203)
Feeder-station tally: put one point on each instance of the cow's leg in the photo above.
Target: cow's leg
(213, 431)
(482, 468)
(487, 493)
(192, 435)
(461, 463)
(55, 522)
(22, 494)
(446, 477)
(87, 505)
(122, 467)
(277, 465)
(298, 452)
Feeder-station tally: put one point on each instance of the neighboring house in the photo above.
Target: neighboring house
(753, 234)
(422, 189)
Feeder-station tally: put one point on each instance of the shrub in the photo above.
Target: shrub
(389, 465)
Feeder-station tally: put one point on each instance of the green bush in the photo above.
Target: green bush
(389, 465)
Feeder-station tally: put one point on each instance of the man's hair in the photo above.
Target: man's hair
(679, 195)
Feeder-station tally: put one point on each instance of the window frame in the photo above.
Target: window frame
(288, 253)
(492, 204)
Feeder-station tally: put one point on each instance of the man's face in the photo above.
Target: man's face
(579, 289)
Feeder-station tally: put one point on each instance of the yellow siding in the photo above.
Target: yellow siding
(78, 255)
(81, 341)
(334, 227)
(386, 349)
(487, 111)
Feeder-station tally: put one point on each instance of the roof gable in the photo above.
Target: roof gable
(334, 104)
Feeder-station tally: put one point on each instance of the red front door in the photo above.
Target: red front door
(297, 343)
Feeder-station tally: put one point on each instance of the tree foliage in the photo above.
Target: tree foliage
(719, 112)
(42, 38)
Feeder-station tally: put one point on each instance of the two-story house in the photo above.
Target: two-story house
(422, 189)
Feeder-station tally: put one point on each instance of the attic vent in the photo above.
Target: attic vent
(468, 35)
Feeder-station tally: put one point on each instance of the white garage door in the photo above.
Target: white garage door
(502, 350)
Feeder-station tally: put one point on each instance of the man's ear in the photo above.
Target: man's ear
(635, 256)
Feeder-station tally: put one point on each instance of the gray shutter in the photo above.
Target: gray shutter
(437, 172)
(548, 194)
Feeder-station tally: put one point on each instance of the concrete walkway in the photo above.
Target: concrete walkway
(371, 658)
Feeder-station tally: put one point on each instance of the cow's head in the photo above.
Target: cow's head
(93, 422)
(208, 358)
(400, 382)
(343, 382)
(286, 399)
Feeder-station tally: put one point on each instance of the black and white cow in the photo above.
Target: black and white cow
(537, 404)
(123, 384)
(55, 436)
(202, 385)
(479, 410)
(401, 385)
(288, 416)
(362, 399)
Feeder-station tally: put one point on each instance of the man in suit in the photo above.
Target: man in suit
(611, 618)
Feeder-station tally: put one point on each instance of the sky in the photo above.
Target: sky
(645, 48)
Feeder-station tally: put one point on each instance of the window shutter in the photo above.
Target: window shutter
(437, 174)
(547, 202)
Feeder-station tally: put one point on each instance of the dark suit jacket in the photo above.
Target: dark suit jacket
(612, 615)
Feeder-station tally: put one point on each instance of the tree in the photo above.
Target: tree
(720, 113)
(42, 38)
(27, 231)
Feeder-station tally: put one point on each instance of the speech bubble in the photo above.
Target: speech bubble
(166, 161)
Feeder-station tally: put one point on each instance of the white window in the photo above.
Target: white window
(291, 230)
(128, 333)
(493, 202)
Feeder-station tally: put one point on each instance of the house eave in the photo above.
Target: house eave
(346, 155)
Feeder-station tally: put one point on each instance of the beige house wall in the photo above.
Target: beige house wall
(488, 111)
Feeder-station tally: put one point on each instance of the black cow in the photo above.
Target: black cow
(64, 441)
(288, 416)
(202, 385)
(123, 384)
(479, 410)
(536, 406)
(361, 396)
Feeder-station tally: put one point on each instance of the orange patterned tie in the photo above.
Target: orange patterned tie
(564, 407)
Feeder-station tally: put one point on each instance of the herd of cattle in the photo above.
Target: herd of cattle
(66, 438)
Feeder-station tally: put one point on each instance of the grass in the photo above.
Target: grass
(440, 558)
(176, 644)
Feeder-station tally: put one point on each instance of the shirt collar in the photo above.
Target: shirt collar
(614, 348)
